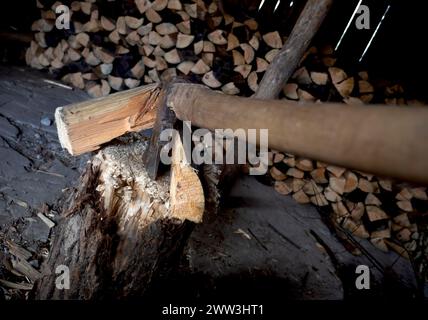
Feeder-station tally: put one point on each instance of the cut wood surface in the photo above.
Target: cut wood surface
(85, 126)
(187, 199)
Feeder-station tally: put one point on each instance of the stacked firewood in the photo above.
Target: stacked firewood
(384, 211)
(367, 206)
(142, 42)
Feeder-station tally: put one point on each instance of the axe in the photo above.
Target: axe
(384, 140)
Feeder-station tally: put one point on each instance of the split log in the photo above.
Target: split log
(117, 235)
(131, 110)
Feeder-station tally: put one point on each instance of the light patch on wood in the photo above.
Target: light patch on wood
(186, 194)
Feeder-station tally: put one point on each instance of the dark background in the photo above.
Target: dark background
(398, 53)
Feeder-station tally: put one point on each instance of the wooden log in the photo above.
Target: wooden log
(134, 239)
(210, 80)
(184, 40)
(289, 56)
(273, 39)
(131, 110)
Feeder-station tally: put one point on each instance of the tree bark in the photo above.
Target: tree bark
(116, 235)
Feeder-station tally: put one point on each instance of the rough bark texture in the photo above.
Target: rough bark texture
(116, 237)
(286, 61)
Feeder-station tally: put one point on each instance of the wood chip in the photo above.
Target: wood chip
(358, 211)
(254, 42)
(217, 37)
(356, 229)
(345, 87)
(184, 27)
(371, 199)
(238, 58)
(208, 47)
(174, 5)
(133, 23)
(301, 197)
(200, 67)
(405, 205)
(252, 81)
(365, 185)
(282, 187)
(375, 213)
(402, 220)
(337, 184)
(380, 244)
(153, 16)
(244, 70)
(46, 220)
(166, 28)
(319, 175)
(296, 173)
(339, 209)
(18, 286)
(404, 235)
(191, 9)
(319, 200)
(172, 57)
(273, 39)
(232, 42)
(351, 181)
(210, 80)
(311, 188)
(230, 88)
(159, 5)
(262, 65)
(184, 40)
(419, 193)
(290, 91)
(331, 195)
(297, 184)
(276, 174)
(301, 76)
(278, 157)
(337, 75)
(270, 55)
(319, 78)
(185, 67)
(248, 53)
(304, 164)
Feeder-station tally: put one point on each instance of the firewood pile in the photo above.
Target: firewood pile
(369, 207)
(118, 45)
(112, 46)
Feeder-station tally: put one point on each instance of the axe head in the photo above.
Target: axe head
(165, 119)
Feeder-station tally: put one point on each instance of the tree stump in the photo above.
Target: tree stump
(116, 234)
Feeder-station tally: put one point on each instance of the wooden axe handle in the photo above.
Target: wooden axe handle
(386, 140)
